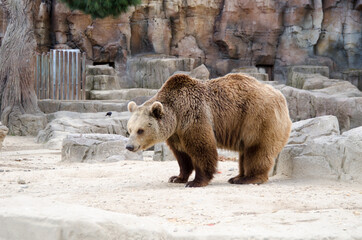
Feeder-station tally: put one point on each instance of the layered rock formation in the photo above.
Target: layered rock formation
(316, 149)
(311, 94)
(223, 35)
(63, 123)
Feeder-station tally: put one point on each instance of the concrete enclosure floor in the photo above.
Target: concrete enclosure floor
(280, 209)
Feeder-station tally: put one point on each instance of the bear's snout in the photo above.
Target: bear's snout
(130, 147)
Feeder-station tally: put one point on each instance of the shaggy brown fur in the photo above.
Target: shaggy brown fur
(234, 112)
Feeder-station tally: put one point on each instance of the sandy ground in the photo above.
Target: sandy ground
(281, 208)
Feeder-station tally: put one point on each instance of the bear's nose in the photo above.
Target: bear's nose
(129, 147)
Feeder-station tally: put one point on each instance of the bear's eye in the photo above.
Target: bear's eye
(140, 131)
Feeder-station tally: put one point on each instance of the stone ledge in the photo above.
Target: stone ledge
(92, 148)
(124, 94)
(51, 106)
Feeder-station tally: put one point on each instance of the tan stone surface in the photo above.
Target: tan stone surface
(96, 201)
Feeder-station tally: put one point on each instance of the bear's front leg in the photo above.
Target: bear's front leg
(184, 162)
(200, 145)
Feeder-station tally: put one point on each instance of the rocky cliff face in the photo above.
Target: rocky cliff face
(222, 34)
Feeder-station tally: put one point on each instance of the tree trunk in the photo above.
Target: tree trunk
(17, 95)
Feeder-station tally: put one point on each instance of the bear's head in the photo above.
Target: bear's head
(148, 125)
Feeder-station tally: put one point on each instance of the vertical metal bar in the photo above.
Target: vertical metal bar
(51, 75)
(83, 75)
(56, 93)
(79, 76)
(40, 75)
(46, 76)
(74, 74)
(69, 87)
(66, 75)
(61, 72)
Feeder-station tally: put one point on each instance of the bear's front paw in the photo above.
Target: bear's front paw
(196, 184)
(177, 179)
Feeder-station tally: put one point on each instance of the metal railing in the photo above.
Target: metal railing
(60, 75)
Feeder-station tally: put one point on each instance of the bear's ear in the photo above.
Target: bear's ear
(157, 110)
(132, 106)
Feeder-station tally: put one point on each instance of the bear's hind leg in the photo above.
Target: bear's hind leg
(185, 164)
(241, 169)
(257, 163)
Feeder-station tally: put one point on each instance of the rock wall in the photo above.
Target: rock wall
(221, 34)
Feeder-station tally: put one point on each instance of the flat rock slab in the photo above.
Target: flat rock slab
(63, 123)
(97, 148)
(44, 198)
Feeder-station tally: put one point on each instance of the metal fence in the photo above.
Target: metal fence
(60, 75)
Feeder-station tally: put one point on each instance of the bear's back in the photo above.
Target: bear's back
(241, 105)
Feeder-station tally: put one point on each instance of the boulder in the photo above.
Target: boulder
(100, 70)
(3, 132)
(354, 77)
(100, 77)
(151, 71)
(316, 149)
(304, 69)
(27, 124)
(163, 153)
(201, 72)
(92, 148)
(253, 72)
(259, 76)
(340, 99)
(308, 129)
(313, 77)
(63, 123)
(245, 70)
(311, 81)
(104, 82)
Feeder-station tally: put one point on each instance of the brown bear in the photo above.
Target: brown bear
(234, 112)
